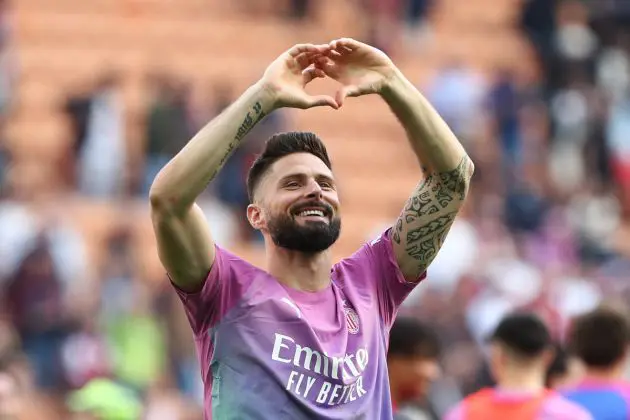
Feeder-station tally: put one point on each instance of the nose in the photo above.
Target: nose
(314, 190)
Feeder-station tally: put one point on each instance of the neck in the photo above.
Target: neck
(522, 378)
(306, 272)
(609, 374)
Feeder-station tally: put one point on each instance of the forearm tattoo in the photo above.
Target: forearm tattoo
(253, 117)
(430, 212)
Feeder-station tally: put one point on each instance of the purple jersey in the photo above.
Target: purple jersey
(271, 352)
(608, 400)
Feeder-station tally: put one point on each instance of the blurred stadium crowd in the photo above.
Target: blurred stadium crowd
(546, 228)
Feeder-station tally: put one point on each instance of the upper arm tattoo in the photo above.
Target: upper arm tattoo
(428, 215)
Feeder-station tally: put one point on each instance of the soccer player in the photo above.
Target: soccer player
(564, 370)
(303, 339)
(520, 352)
(600, 340)
(413, 364)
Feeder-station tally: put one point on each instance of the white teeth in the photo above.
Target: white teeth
(311, 213)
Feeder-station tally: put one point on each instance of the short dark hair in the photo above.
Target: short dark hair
(559, 365)
(410, 337)
(600, 338)
(525, 334)
(279, 146)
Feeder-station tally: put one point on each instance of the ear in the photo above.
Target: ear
(256, 217)
(547, 357)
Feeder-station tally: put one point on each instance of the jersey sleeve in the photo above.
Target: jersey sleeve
(558, 407)
(223, 287)
(455, 413)
(383, 276)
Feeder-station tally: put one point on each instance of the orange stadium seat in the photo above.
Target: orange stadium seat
(65, 42)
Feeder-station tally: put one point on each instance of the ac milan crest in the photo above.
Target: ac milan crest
(352, 319)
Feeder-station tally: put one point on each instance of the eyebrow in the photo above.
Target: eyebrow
(301, 175)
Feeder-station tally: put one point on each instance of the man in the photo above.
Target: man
(564, 370)
(304, 339)
(412, 361)
(600, 340)
(520, 352)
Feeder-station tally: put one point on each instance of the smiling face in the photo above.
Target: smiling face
(296, 204)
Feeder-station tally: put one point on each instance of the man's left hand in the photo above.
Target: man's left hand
(360, 68)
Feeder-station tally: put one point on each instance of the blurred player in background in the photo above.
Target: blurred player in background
(304, 339)
(600, 339)
(565, 370)
(520, 353)
(413, 364)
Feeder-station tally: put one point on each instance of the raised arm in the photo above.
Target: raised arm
(430, 211)
(185, 245)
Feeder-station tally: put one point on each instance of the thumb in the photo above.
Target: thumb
(345, 92)
(320, 100)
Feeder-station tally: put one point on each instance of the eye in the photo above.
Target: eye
(292, 185)
(326, 185)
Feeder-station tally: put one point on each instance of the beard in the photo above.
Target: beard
(310, 238)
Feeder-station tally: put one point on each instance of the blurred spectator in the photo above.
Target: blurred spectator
(167, 127)
(34, 299)
(8, 81)
(102, 399)
(505, 104)
(417, 24)
(539, 24)
(413, 364)
(134, 334)
(564, 370)
(547, 226)
(520, 351)
(101, 132)
(457, 93)
(85, 353)
(601, 339)
(300, 9)
(383, 23)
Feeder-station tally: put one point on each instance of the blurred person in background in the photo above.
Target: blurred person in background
(102, 154)
(293, 341)
(34, 300)
(564, 370)
(8, 79)
(167, 125)
(413, 365)
(102, 399)
(457, 93)
(601, 341)
(520, 353)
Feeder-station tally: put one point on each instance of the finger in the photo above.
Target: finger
(306, 59)
(332, 53)
(312, 73)
(326, 64)
(346, 92)
(348, 44)
(304, 48)
(320, 100)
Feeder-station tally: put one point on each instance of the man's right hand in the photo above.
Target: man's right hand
(288, 75)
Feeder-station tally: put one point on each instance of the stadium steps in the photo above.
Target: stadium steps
(65, 43)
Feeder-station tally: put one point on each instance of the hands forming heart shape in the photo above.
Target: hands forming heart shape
(360, 69)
